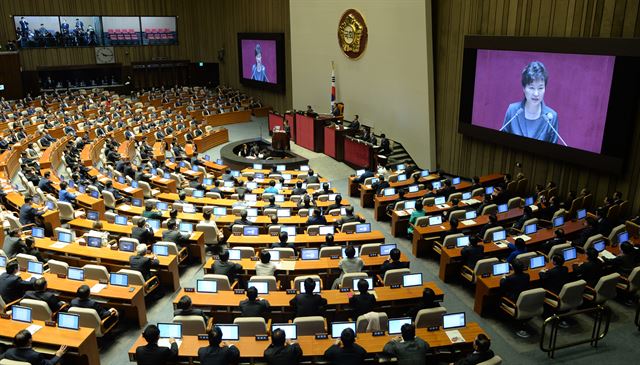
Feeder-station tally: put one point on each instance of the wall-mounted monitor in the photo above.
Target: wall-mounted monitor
(121, 31)
(261, 60)
(37, 31)
(159, 30)
(562, 98)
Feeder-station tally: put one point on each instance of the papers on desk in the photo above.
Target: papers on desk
(501, 244)
(471, 201)
(129, 189)
(455, 336)
(33, 328)
(533, 207)
(287, 265)
(164, 181)
(252, 219)
(523, 236)
(97, 288)
(164, 342)
(468, 222)
(409, 211)
(124, 207)
(443, 206)
(59, 244)
(607, 255)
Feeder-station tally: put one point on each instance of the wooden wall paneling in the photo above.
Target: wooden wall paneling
(565, 18)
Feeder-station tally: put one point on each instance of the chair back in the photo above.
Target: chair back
(285, 252)
(624, 209)
(246, 252)
(613, 213)
(488, 234)
(516, 202)
(349, 227)
(496, 360)
(96, 272)
(330, 251)
(271, 281)
(251, 326)
(524, 258)
(530, 221)
(237, 229)
(457, 214)
(369, 248)
(363, 322)
(606, 288)
(191, 325)
(39, 309)
(394, 276)
(451, 239)
(430, 317)
(512, 188)
(88, 319)
(453, 196)
(274, 230)
(522, 187)
(210, 231)
(298, 279)
(428, 201)
(221, 280)
(530, 303)
(66, 211)
(614, 233)
(421, 221)
(13, 362)
(172, 248)
(557, 249)
(309, 326)
(347, 279)
(134, 277)
(313, 230)
(477, 192)
(591, 240)
(58, 267)
(571, 295)
(489, 209)
(484, 266)
(109, 199)
(65, 230)
(559, 213)
(24, 259)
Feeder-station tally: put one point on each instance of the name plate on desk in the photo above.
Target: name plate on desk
(262, 337)
(321, 336)
(433, 328)
(189, 290)
(5, 316)
(255, 258)
(203, 337)
(291, 291)
(335, 257)
(114, 248)
(82, 243)
(238, 291)
(345, 290)
(50, 323)
(62, 276)
(485, 275)
(373, 254)
(377, 333)
(396, 286)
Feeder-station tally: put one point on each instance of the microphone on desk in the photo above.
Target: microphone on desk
(548, 118)
(511, 120)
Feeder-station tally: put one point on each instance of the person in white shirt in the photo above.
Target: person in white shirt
(265, 267)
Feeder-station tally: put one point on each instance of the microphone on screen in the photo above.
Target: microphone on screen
(548, 118)
(511, 120)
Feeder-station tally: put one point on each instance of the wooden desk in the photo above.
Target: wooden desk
(217, 120)
(253, 350)
(76, 255)
(304, 240)
(51, 218)
(131, 303)
(450, 263)
(83, 345)
(212, 139)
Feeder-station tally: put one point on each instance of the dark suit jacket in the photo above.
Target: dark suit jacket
(515, 284)
(391, 265)
(143, 235)
(313, 220)
(555, 278)
(338, 355)
(589, 272)
(361, 304)
(13, 246)
(470, 255)
(308, 305)
(190, 312)
(230, 269)
(143, 264)
(50, 298)
(12, 287)
(283, 355)
(366, 174)
(476, 358)
(257, 308)
(347, 219)
(28, 214)
(29, 355)
(218, 355)
(412, 352)
(90, 304)
(152, 354)
(174, 236)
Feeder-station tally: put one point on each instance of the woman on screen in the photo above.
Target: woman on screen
(531, 117)
(258, 70)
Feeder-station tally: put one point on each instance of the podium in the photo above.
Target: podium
(334, 140)
(310, 131)
(280, 140)
(275, 120)
(358, 154)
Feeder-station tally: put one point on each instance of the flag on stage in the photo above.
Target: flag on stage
(333, 86)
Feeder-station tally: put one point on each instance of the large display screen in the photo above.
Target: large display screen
(553, 97)
(261, 60)
(159, 30)
(78, 31)
(121, 30)
(37, 31)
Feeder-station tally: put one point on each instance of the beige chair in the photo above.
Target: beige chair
(529, 305)
(591, 240)
(173, 249)
(237, 229)
(295, 284)
(605, 289)
(488, 234)
(394, 276)
(330, 251)
(109, 200)
(369, 248)
(58, 267)
(96, 272)
(65, 230)
(303, 212)
(210, 231)
(89, 318)
(349, 227)
(484, 266)
(429, 201)
(135, 278)
(557, 249)
(192, 325)
(525, 258)
(363, 322)
(221, 280)
(570, 296)
(453, 196)
(24, 259)
(489, 209)
(274, 230)
(309, 326)
(449, 240)
(13, 362)
(516, 202)
(251, 326)
(421, 222)
(631, 284)
(39, 309)
(271, 281)
(313, 230)
(212, 195)
(347, 279)
(67, 213)
(147, 191)
(613, 236)
(430, 317)
(457, 214)
(285, 252)
(477, 192)
(496, 360)
(246, 252)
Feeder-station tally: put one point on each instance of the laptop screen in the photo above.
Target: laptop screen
(95, 194)
(252, 212)
(499, 235)
(558, 221)
(453, 320)
(161, 250)
(528, 201)
(121, 220)
(316, 290)
(530, 228)
(68, 321)
(462, 241)
(409, 280)
(325, 230)
(207, 157)
(275, 255)
(3, 261)
(536, 262)
(95, 242)
(424, 173)
(134, 184)
(569, 254)
(363, 228)
(251, 185)
(37, 232)
(581, 214)
(250, 231)
(188, 208)
(186, 228)
(400, 167)
(304, 167)
(250, 197)
(257, 166)
(261, 286)
(22, 314)
(64, 237)
(599, 245)
(34, 267)
(395, 325)
(290, 330)
(162, 206)
(466, 195)
(154, 223)
(436, 185)
(206, 286)
(345, 255)
(121, 180)
(207, 181)
(413, 188)
(136, 202)
(170, 330)
(389, 191)
(291, 230)
(198, 193)
(118, 279)
(234, 254)
(455, 181)
(470, 214)
(500, 268)
(167, 175)
(219, 211)
(93, 215)
(402, 177)
(435, 220)
(386, 249)
(309, 254)
(502, 208)
(279, 198)
(283, 213)
(75, 273)
(338, 327)
(488, 190)
(281, 167)
(439, 200)
(230, 332)
(410, 204)
(359, 172)
(355, 281)
(623, 237)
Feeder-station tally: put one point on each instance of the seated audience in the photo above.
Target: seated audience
(151, 353)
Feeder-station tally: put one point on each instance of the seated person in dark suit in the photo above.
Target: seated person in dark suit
(591, 270)
(336, 205)
(515, 283)
(40, 292)
(380, 185)
(141, 263)
(447, 189)
(307, 303)
(82, 300)
(527, 214)
(243, 221)
(46, 185)
(143, 232)
(554, 278)
(272, 203)
(298, 190)
(325, 190)
(151, 353)
(306, 202)
(487, 200)
(472, 253)
(149, 212)
(346, 350)
(281, 351)
(349, 217)
(312, 178)
(329, 240)
(394, 261)
(556, 240)
(222, 266)
(28, 213)
(12, 287)
(218, 353)
(385, 145)
(363, 302)
(254, 306)
(283, 239)
(185, 308)
(316, 219)
(626, 261)
(365, 175)
(517, 248)
(23, 351)
(171, 234)
(427, 301)
(481, 351)
(590, 230)
(409, 349)
(493, 222)
(13, 244)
